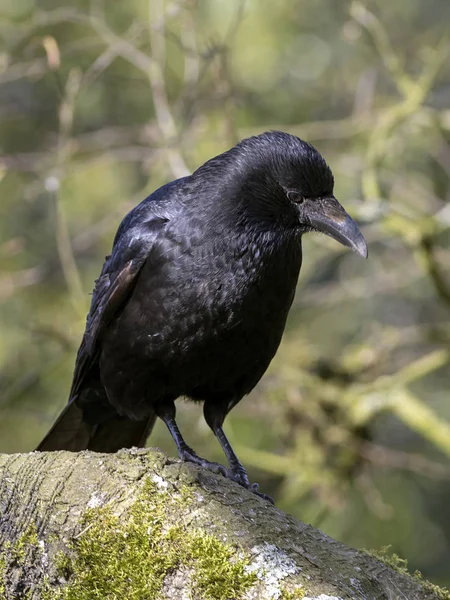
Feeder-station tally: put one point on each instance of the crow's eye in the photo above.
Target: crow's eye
(295, 197)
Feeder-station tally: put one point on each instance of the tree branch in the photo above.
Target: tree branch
(70, 521)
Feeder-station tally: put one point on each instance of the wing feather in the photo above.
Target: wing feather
(111, 292)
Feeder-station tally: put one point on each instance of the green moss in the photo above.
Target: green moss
(27, 542)
(296, 594)
(16, 555)
(129, 557)
(401, 565)
(2, 577)
(218, 572)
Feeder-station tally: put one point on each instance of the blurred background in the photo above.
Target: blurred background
(102, 102)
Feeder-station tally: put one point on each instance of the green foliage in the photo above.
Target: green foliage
(130, 556)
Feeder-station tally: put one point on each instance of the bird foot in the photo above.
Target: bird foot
(189, 455)
(240, 477)
(254, 487)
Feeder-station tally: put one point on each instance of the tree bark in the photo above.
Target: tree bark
(44, 498)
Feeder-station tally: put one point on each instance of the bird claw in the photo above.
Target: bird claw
(263, 496)
(254, 487)
(241, 478)
(190, 456)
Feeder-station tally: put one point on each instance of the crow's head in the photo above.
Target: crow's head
(278, 179)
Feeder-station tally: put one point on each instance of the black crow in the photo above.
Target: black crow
(194, 298)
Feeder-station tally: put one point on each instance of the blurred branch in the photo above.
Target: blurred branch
(191, 59)
(134, 142)
(71, 15)
(416, 369)
(362, 401)
(12, 393)
(53, 184)
(81, 243)
(10, 283)
(288, 465)
(373, 497)
(414, 93)
(100, 64)
(33, 68)
(407, 461)
(427, 246)
(335, 292)
(421, 418)
(164, 118)
(367, 399)
(319, 130)
(383, 45)
(153, 67)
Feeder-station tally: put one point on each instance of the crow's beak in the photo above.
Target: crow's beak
(328, 216)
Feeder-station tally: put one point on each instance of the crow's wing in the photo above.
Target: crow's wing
(112, 290)
(71, 431)
(132, 245)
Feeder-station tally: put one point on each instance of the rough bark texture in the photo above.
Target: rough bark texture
(43, 497)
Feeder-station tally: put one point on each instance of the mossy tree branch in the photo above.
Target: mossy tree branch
(140, 525)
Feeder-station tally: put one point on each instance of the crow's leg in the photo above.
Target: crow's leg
(166, 412)
(236, 470)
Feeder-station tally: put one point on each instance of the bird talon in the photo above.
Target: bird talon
(265, 497)
(191, 456)
(254, 487)
(242, 479)
(222, 470)
(239, 477)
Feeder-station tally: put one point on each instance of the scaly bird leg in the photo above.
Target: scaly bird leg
(236, 471)
(166, 412)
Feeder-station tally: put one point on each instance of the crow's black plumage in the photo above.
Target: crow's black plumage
(194, 297)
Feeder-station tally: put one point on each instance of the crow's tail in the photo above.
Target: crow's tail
(72, 432)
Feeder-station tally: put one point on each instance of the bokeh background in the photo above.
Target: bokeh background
(102, 102)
